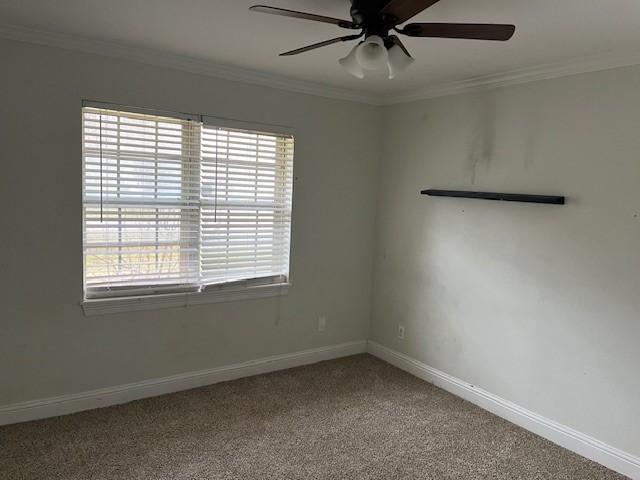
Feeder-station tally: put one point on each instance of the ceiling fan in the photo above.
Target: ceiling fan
(376, 19)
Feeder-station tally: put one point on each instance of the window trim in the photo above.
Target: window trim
(210, 120)
(212, 293)
(106, 306)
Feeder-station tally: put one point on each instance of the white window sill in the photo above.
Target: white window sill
(104, 306)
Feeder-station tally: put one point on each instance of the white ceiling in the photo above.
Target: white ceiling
(226, 32)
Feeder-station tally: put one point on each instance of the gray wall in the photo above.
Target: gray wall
(537, 304)
(48, 347)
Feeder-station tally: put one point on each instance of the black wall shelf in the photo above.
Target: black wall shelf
(507, 197)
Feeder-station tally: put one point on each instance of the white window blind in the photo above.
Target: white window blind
(245, 204)
(172, 204)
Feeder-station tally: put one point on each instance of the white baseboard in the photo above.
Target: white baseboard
(566, 437)
(65, 404)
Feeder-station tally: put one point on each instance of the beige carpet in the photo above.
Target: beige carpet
(353, 418)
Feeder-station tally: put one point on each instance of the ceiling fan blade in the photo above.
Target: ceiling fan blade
(474, 31)
(395, 39)
(403, 10)
(305, 16)
(320, 44)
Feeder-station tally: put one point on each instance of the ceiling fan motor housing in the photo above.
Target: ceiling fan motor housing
(366, 15)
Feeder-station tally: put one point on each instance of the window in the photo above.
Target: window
(179, 204)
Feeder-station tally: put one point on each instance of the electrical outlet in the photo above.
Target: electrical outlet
(322, 323)
(401, 332)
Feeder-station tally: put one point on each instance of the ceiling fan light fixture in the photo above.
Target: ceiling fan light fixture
(385, 50)
(351, 65)
(372, 54)
(398, 60)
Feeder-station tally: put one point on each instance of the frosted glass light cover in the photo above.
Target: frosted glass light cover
(398, 61)
(351, 65)
(372, 54)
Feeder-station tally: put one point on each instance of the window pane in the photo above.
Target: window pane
(140, 201)
(246, 204)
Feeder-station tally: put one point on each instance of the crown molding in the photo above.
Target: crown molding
(180, 62)
(574, 66)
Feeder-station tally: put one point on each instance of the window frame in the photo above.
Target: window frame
(245, 289)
